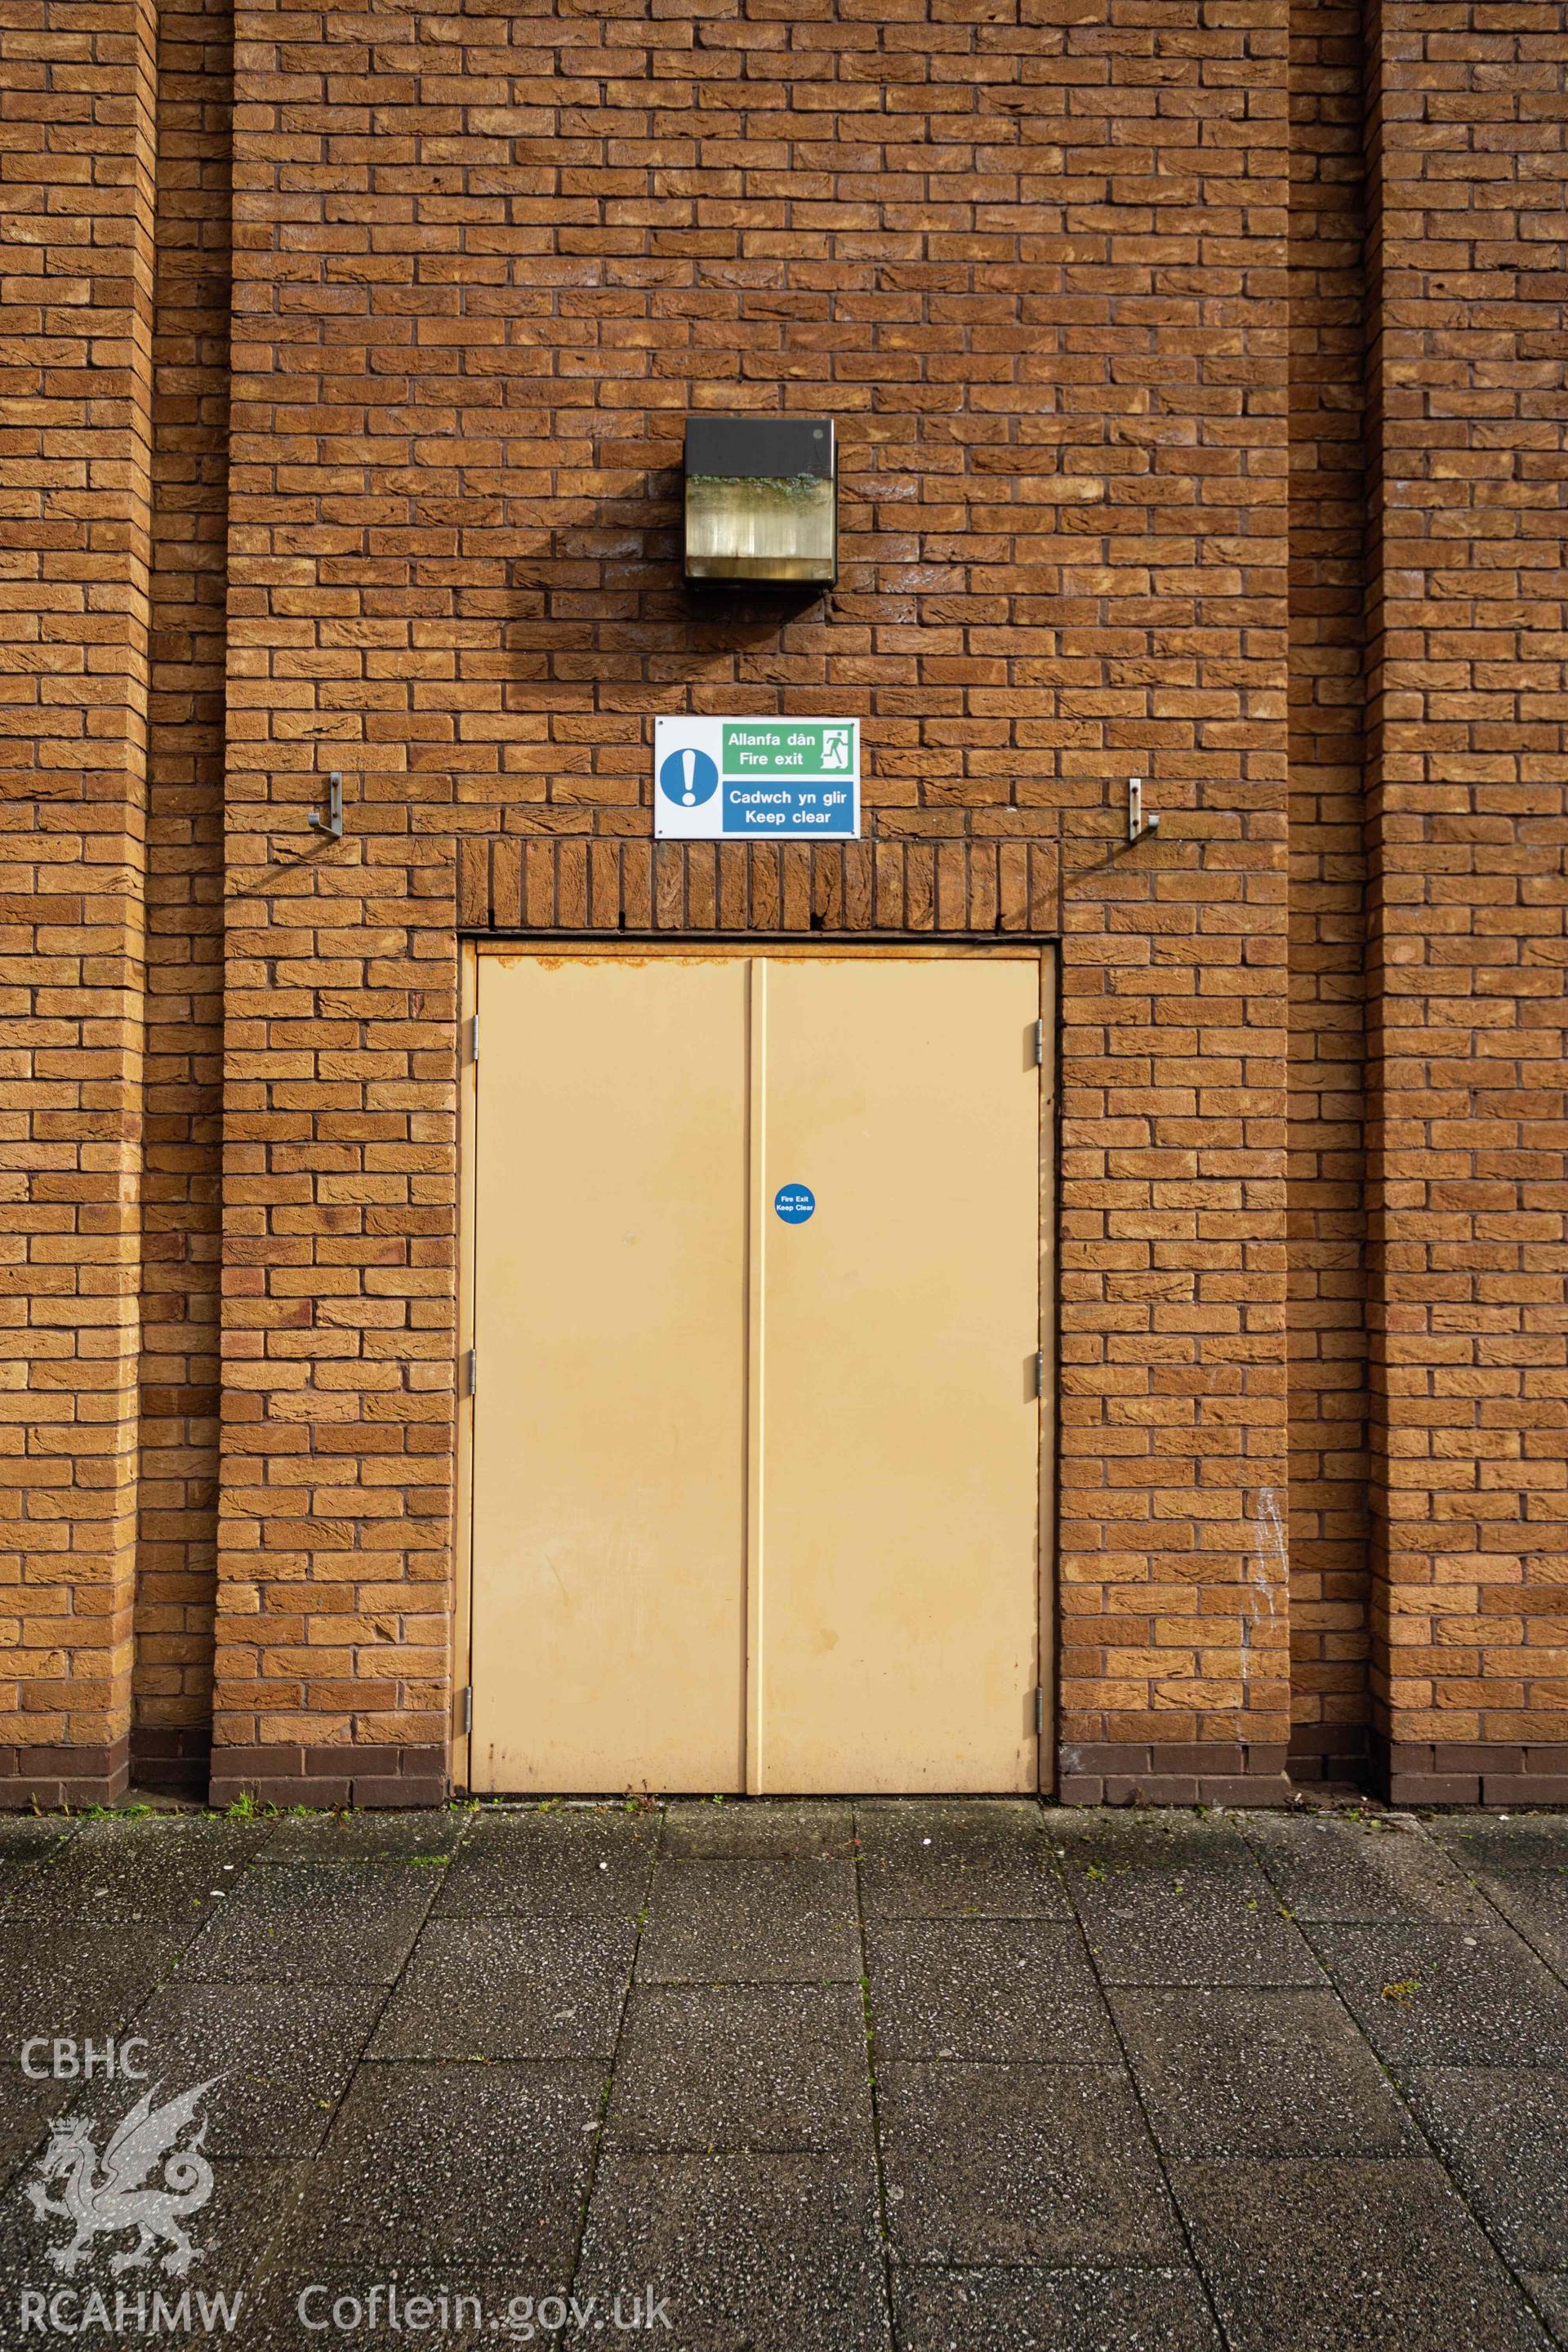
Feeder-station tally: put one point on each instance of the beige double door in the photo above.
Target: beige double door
(756, 1466)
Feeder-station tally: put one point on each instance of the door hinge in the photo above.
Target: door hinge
(1039, 1044)
(473, 1037)
(1039, 1711)
(1040, 1372)
(465, 1709)
(471, 1372)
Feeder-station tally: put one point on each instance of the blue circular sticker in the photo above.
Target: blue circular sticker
(688, 778)
(794, 1203)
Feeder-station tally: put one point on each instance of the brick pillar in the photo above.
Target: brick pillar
(1171, 663)
(340, 1100)
(1466, 959)
(176, 1548)
(78, 293)
(1328, 1518)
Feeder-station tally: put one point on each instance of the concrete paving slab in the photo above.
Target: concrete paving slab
(1535, 1904)
(778, 2069)
(975, 1887)
(954, 1828)
(71, 1980)
(1232, 2071)
(283, 2055)
(325, 1923)
(1519, 1866)
(1167, 1900)
(165, 1870)
(752, 1922)
(957, 1858)
(28, 1838)
(1026, 2197)
(1018, 2310)
(71, 1984)
(1448, 1996)
(231, 2236)
(1548, 2290)
(1355, 1867)
(985, 1988)
(366, 1837)
(1503, 1841)
(353, 2310)
(510, 1989)
(1502, 2133)
(474, 2169)
(1044, 2164)
(26, 2108)
(749, 2253)
(759, 1828)
(1361, 2257)
(552, 1863)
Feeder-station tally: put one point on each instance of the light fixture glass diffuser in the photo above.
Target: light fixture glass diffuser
(760, 499)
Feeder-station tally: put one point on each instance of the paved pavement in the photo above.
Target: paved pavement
(960, 2077)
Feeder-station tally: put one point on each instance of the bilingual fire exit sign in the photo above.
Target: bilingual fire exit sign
(756, 779)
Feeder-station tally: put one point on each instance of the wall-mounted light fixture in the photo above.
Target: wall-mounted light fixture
(761, 499)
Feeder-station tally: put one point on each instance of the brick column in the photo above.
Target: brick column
(1171, 663)
(176, 1544)
(1327, 1314)
(1467, 959)
(76, 280)
(334, 1532)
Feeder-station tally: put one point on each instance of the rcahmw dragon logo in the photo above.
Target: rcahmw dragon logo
(116, 2196)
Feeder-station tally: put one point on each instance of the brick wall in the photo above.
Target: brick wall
(1146, 468)
(76, 283)
(1031, 258)
(1468, 962)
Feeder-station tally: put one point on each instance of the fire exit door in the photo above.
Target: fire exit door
(756, 1425)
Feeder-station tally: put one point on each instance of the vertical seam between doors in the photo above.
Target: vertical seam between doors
(756, 1268)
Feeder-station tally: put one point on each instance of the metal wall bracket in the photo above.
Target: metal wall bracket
(1139, 827)
(332, 823)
